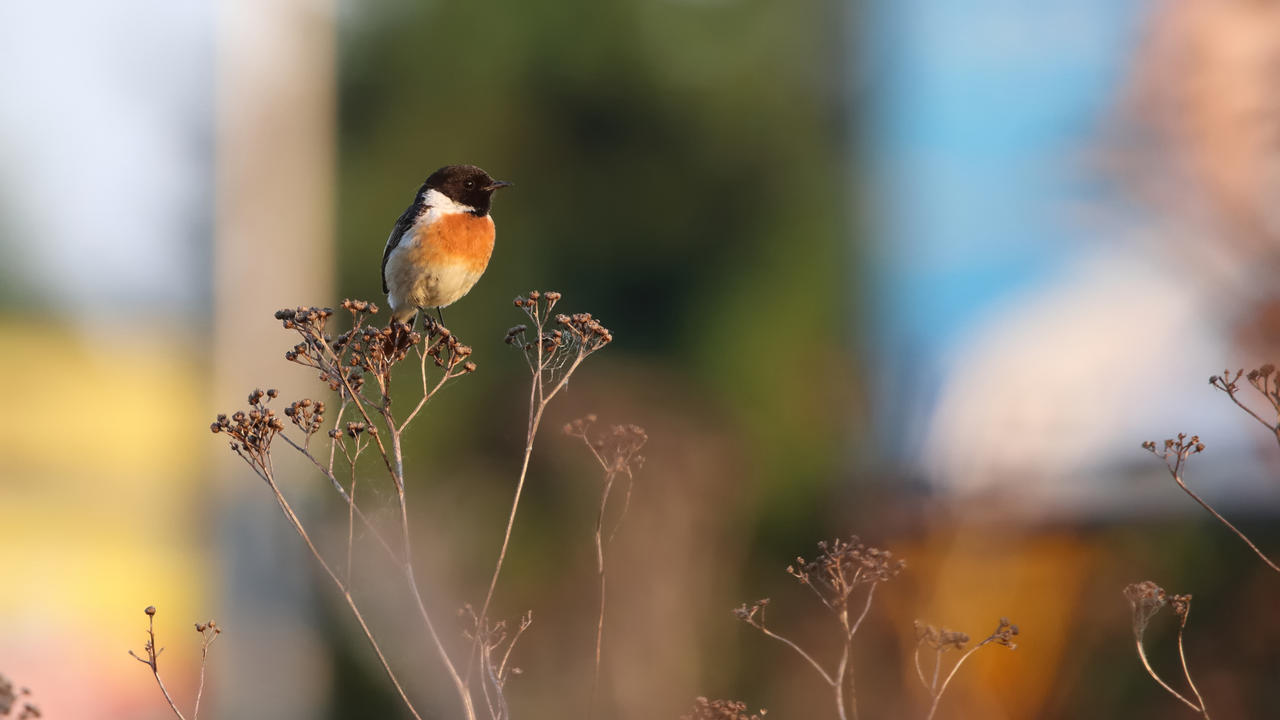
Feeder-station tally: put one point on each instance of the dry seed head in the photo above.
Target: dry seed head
(1181, 605)
(753, 613)
(941, 639)
(1145, 600)
(1004, 634)
(842, 565)
(704, 709)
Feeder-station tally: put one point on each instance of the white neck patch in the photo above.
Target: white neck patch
(440, 203)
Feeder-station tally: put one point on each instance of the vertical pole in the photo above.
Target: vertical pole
(273, 247)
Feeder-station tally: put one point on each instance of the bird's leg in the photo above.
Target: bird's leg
(440, 313)
(412, 322)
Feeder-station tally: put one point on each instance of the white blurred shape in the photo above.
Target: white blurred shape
(1047, 404)
(104, 133)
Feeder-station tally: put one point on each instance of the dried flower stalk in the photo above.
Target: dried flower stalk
(358, 366)
(618, 453)
(209, 631)
(841, 567)
(1146, 600)
(1175, 452)
(496, 645)
(940, 640)
(553, 353)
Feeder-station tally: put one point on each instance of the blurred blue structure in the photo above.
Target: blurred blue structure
(979, 115)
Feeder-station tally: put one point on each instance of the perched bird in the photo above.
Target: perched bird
(441, 245)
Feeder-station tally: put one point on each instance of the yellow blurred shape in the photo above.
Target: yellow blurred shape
(968, 582)
(116, 404)
(101, 467)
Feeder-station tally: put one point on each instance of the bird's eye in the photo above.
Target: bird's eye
(469, 184)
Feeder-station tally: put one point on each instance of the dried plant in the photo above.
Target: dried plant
(358, 366)
(1146, 599)
(10, 698)
(1263, 379)
(839, 570)
(496, 644)
(704, 709)
(209, 631)
(553, 353)
(617, 451)
(940, 640)
(1175, 452)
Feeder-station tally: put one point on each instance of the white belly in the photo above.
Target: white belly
(413, 285)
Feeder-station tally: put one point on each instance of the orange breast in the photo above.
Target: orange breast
(461, 238)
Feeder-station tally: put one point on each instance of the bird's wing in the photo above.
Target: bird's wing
(402, 226)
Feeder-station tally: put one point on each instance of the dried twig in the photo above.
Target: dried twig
(841, 567)
(495, 645)
(1146, 599)
(1175, 453)
(940, 640)
(208, 633)
(617, 452)
(357, 365)
(346, 364)
(552, 356)
(1263, 379)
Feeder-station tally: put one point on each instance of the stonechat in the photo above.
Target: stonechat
(441, 245)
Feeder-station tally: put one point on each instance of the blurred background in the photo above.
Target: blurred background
(922, 270)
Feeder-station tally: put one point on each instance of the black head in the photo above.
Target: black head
(465, 184)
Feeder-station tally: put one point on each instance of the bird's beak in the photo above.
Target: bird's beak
(497, 184)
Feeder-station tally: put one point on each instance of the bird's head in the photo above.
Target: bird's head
(465, 185)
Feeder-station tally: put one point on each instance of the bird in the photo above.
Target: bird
(441, 244)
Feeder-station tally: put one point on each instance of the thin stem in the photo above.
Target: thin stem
(524, 624)
(538, 401)
(427, 395)
(1177, 476)
(535, 417)
(504, 712)
(838, 685)
(1142, 655)
(1231, 394)
(464, 693)
(333, 480)
(204, 655)
(871, 591)
(267, 475)
(484, 686)
(333, 441)
(818, 593)
(937, 698)
(844, 670)
(808, 658)
(626, 505)
(351, 524)
(168, 699)
(920, 672)
(599, 537)
(152, 654)
(1187, 672)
